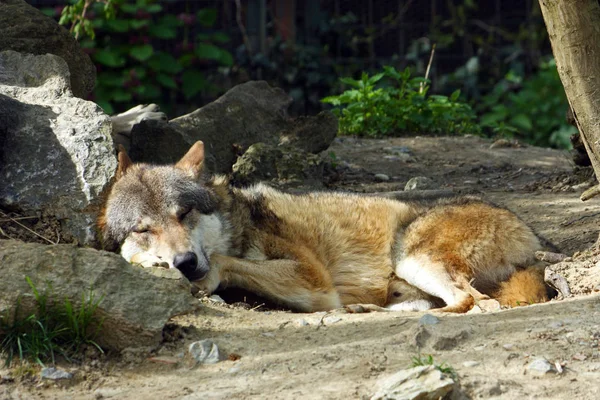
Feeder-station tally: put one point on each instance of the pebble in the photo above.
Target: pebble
(55, 373)
(540, 366)
(470, 364)
(216, 298)
(382, 177)
(508, 346)
(428, 319)
(419, 183)
(204, 352)
(302, 322)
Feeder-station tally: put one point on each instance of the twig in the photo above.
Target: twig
(18, 219)
(579, 219)
(591, 192)
(26, 228)
(257, 307)
(238, 19)
(5, 234)
(422, 88)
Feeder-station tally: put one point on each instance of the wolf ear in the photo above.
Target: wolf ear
(193, 161)
(124, 162)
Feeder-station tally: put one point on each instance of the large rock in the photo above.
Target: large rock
(283, 164)
(25, 29)
(57, 155)
(135, 304)
(250, 113)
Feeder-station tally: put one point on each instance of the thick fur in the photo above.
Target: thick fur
(320, 251)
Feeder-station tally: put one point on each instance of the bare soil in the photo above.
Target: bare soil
(281, 355)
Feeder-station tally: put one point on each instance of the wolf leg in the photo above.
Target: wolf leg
(433, 278)
(300, 286)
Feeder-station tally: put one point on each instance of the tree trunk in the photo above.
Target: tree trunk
(574, 32)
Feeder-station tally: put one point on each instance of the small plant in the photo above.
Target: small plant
(535, 112)
(392, 103)
(58, 328)
(143, 53)
(419, 361)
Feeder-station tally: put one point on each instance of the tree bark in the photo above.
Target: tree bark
(574, 32)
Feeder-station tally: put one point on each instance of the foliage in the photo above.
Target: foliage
(535, 112)
(418, 361)
(122, 38)
(403, 106)
(56, 328)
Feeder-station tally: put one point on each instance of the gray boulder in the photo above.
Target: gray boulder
(25, 29)
(135, 306)
(57, 155)
(283, 164)
(250, 113)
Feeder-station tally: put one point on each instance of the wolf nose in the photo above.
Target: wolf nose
(187, 263)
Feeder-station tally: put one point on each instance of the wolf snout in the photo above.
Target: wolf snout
(187, 263)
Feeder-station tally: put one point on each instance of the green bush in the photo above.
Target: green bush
(392, 103)
(121, 36)
(534, 113)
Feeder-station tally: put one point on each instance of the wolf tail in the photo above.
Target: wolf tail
(524, 287)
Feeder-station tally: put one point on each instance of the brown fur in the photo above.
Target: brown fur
(320, 251)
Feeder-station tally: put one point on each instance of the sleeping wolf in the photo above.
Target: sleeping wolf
(319, 251)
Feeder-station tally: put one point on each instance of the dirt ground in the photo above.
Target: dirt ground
(283, 355)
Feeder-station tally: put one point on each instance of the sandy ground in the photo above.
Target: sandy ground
(283, 355)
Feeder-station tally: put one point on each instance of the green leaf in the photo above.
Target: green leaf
(162, 31)
(455, 95)
(192, 83)
(350, 81)
(208, 51)
(166, 81)
(219, 37)
(139, 23)
(522, 121)
(164, 62)
(118, 25)
(207, 17)
(141, 53)
(148, 91)
(110, 58)
(153, 8)
(121, 95)
(226, 58)
(128, 8)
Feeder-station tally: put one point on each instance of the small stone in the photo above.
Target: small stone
(508, 346)
(55, 373)
(540, 366)
(164, 360)
(268, 334)
(429, 319)
(419, 183)
(302, 322)
(475, 310)
(216, 298)
(332, 319)
(425, 382)
(204, 352)
(579, 357)
(381, 178)
(470, 364)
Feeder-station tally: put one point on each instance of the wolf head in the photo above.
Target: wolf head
(164, 215)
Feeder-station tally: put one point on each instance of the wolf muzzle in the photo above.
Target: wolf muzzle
(191, 266)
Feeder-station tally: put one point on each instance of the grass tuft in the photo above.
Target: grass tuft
(419, 361)
(56, 328)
